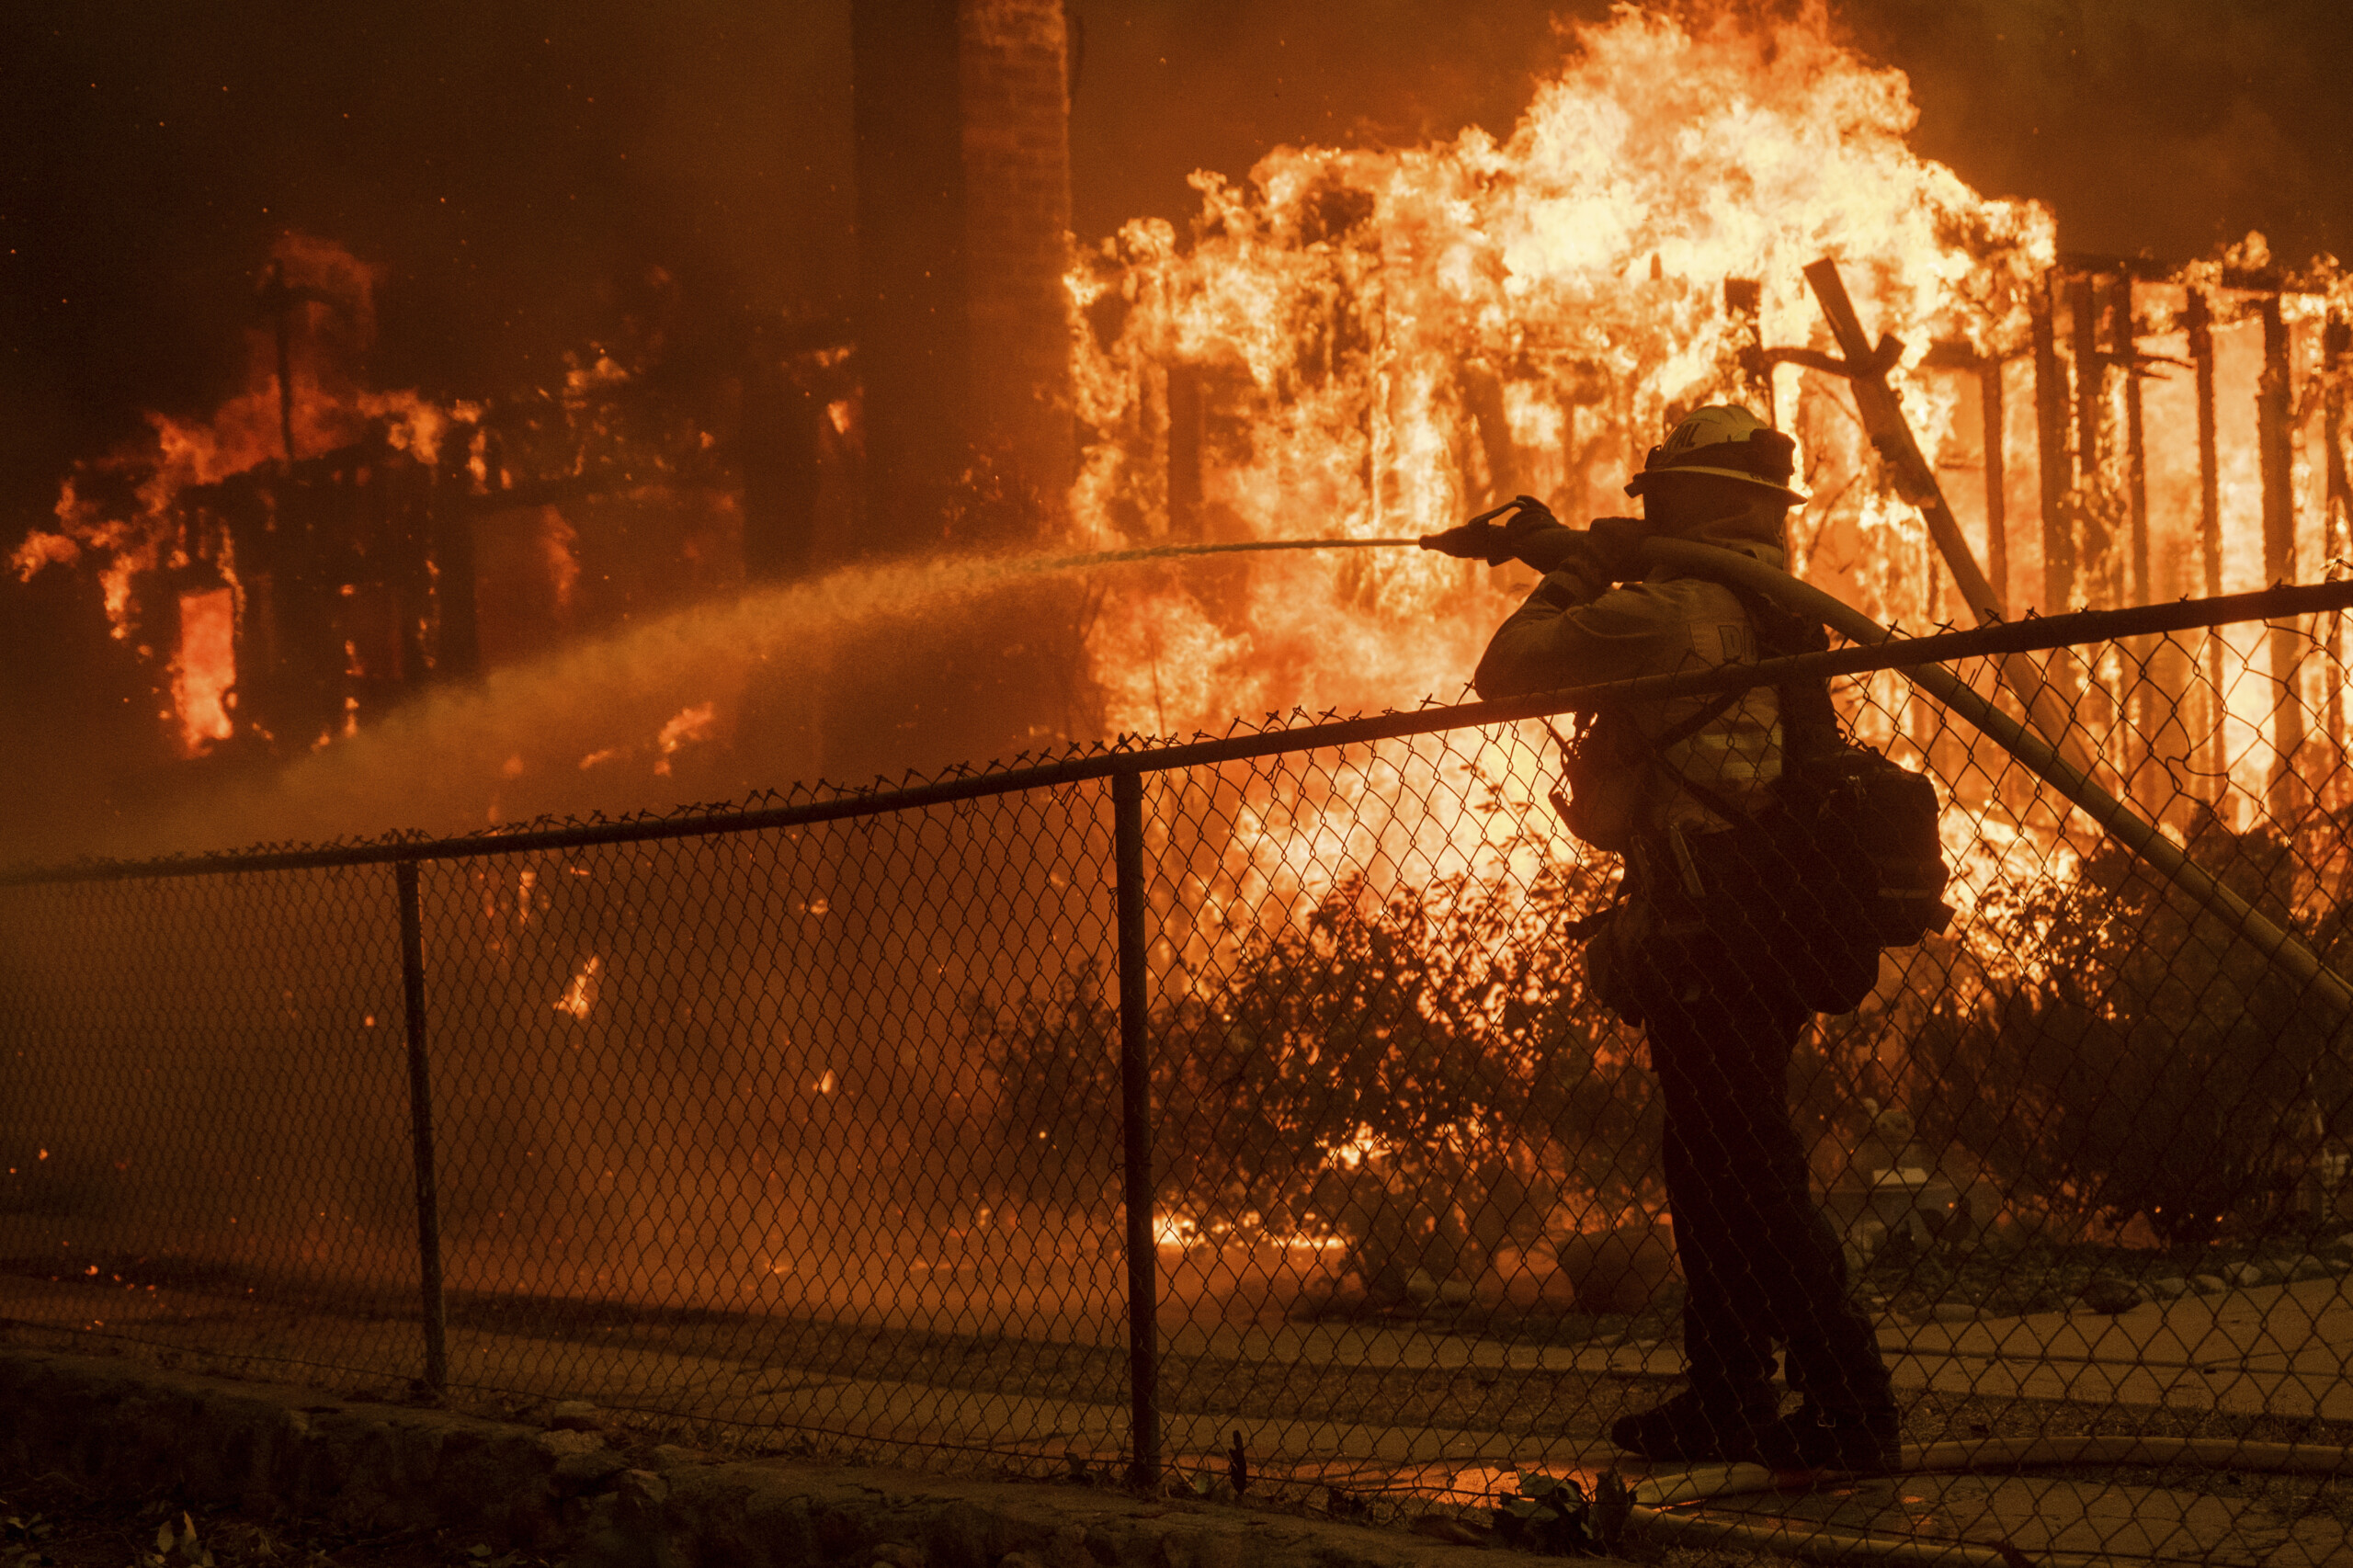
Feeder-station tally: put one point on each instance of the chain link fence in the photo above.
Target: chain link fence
(1233, 1115)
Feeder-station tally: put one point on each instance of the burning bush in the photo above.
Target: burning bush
(2145, 1060)
(1420, 1073)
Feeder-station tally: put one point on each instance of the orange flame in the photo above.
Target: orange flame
(125, 509)
(206, 669)
(1386, 340)
(1380, 341)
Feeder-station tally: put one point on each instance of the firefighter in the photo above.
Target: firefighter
(1694, 951)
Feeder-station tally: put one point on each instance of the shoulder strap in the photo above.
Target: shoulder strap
(1692, 724)
(1810, 725)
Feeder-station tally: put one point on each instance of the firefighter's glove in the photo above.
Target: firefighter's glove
(1610, 551)
(1528, 533)
(1616, 547)
(1532, 535)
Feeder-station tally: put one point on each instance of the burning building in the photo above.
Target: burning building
(1352, 342)
(316, 553)
(1380, 341)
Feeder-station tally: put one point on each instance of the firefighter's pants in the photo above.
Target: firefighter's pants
(1762, 1266)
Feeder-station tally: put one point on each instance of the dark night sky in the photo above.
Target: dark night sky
(515, 166)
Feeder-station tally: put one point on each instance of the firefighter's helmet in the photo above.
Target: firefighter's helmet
(1727, 441)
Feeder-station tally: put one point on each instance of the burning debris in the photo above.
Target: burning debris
(316, 552)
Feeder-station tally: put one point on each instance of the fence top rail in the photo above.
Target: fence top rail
(1135, 754)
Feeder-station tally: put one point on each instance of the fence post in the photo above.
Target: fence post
(420, 1102)
(1135, 1130)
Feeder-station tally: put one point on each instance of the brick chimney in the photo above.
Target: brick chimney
(961, 118)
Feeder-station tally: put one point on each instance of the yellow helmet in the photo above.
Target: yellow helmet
(1727, 441)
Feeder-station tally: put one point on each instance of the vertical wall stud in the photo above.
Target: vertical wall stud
(2274, 449)
(1997, 527)
(2051, 450)
(2200, 323)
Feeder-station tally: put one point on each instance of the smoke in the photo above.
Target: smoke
(2169, 128)
(515, 168)
(1168, 86)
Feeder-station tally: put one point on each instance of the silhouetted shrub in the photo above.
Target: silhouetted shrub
(1422, 1071)
(2142, 1059)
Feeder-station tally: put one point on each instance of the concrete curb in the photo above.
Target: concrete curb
(269, 1450)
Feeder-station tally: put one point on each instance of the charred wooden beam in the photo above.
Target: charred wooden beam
(1997, 526)
(280, 300)
(2136, 451)
(2093, 516)
(2152, 269)
(2274, 445)
(2201, 324)
(1882, 415)
(2143, 683)
(2051, 449)
(2083, 334)
(1866, 366)
(2275, 452)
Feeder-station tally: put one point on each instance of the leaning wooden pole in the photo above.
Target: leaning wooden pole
(2276, 457)
(1866, 368)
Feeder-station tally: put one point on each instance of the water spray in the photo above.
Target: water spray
(1170, 551)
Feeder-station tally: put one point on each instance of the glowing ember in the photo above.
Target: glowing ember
(689, 725)
(579, 997)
